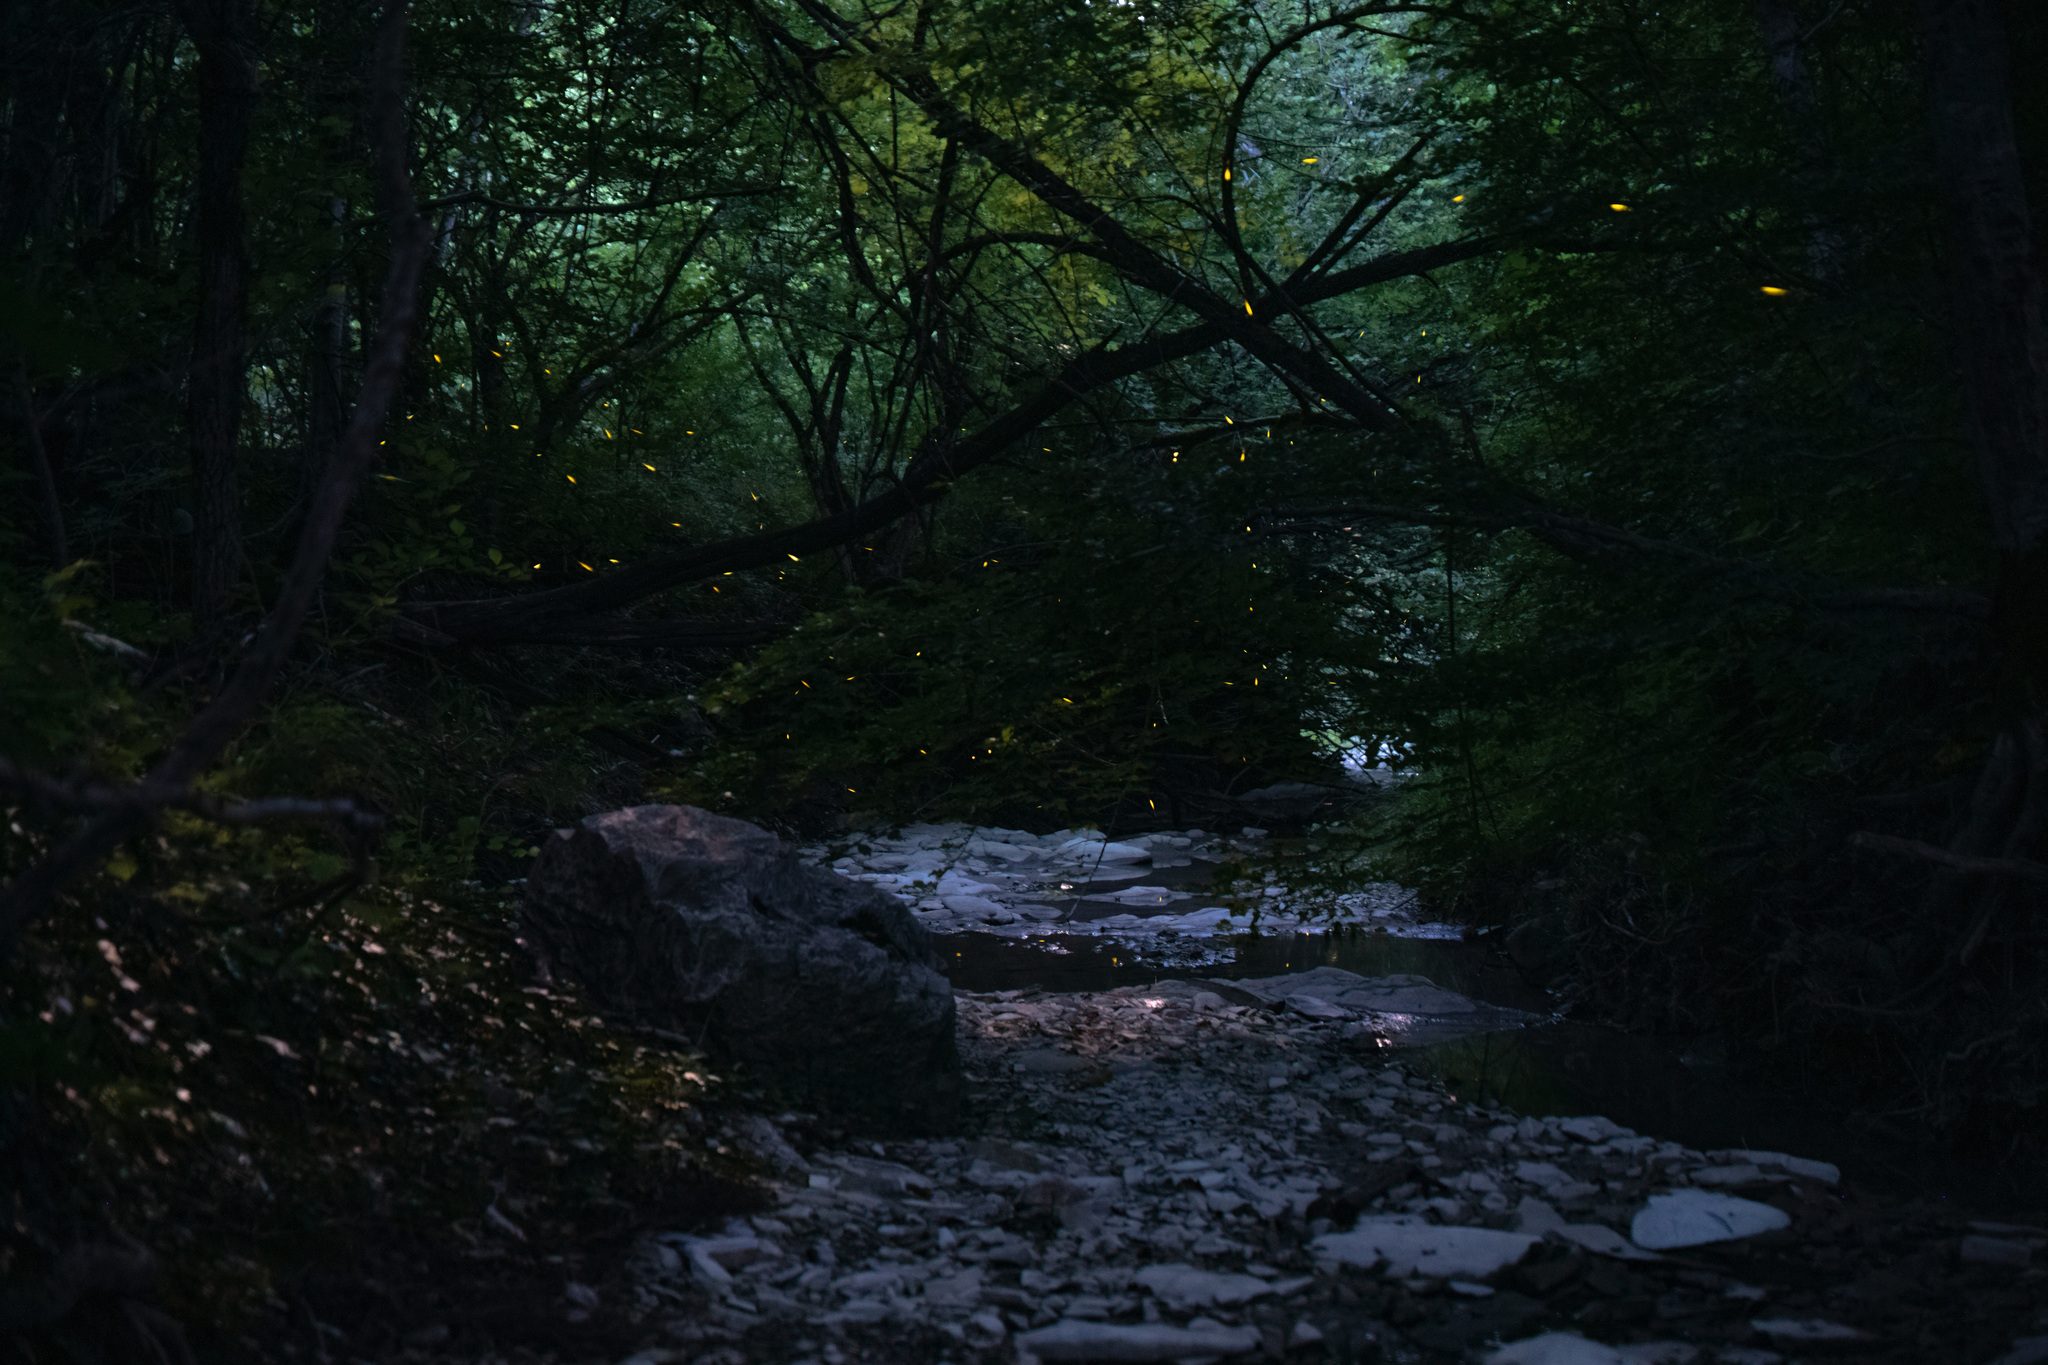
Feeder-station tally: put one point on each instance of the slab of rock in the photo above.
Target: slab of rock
(1075, 1339)
(1980, 1250)
(1690, 1218)
(1802, 1330)
(1826, 1172)
(824, 988)
(1181, 1287)
(1555, 1348)
(1410, 1246)
(1598, 1237)
(1414, 1007)
(2025, 1351)
(1364, 994)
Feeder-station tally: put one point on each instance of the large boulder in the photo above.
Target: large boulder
(826, 990)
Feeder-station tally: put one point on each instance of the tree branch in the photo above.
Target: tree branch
(1998, 867)
(101, 796)
(170, 781)
(538, 617)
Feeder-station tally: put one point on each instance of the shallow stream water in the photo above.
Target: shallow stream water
(1674, 1087)
(1073, 912)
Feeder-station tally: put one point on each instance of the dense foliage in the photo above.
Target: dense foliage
(1039, 414)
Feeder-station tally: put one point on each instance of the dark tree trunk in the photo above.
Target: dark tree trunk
(46, 477)
(2000, 338)
(1798, 92)
(2003, 352)
(328, 415)
(227, 101)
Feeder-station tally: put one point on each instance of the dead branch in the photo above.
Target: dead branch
(101, 796)
(1997, 867)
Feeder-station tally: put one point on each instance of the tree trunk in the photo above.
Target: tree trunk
(227, 100)
(328, 371)
(46, 477)
(2002, 348)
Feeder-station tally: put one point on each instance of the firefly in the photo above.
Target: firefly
(1774, 291)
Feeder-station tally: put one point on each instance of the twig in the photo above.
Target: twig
(2000, 867)
(210, 732)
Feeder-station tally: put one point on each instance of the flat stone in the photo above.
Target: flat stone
(866, 1175)
(1046, 1062)
(1806, 1330)
(1555, 1348)
(1410, 1246)
(2025, 1351)
(1593, 1128)
(1598, 1237)
(1181, 1287)
(1400, 994)
(1689, 1218)
(1826, 1172)
(961, 1291)
(1540, 1173)
(1537, 1218)
(1079, 1339)
(1980, 1250)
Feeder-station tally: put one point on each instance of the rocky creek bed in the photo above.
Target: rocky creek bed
(1187, 1168)
(1157, 1173)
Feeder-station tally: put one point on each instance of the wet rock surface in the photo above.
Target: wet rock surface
(1161, 1174)
(1148, 891)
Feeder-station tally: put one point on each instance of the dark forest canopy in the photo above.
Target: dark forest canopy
(1056, 412)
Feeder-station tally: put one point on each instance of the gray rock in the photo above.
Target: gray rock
(1981, 1250)
(1074, 1339)
(824, 988)
(1689, 1218)
(2025, 1351)
(1182, 1287)
(1407, 1245)
(1805, 1330)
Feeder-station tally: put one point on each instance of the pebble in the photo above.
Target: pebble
(1137, 1188)
(962, 878)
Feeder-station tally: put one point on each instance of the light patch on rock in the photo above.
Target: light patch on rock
(1690, 1218)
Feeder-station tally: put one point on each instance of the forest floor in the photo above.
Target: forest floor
(1156, 1174)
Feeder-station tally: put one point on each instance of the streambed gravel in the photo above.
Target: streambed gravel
(1145, 892)
(1209, 1171)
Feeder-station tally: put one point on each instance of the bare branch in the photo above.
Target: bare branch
(1998, 867)
(537, 615)
(101, 796)
(224, 718)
